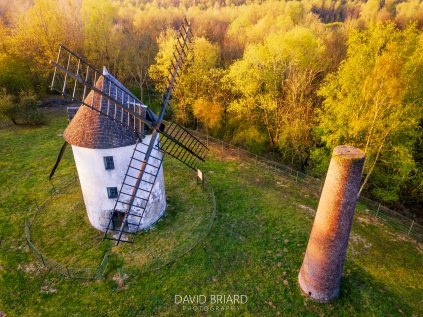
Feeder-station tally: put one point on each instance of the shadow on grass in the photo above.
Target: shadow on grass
(367, 295)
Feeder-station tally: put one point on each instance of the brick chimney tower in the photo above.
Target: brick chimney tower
(321, 271)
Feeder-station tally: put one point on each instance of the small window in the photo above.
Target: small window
(108, 163)
(112, 192)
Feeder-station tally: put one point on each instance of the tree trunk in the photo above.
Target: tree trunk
(266, 122)
(374, 162)
(304, 162)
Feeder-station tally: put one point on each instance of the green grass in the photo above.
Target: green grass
(255, 246)
(62, 233)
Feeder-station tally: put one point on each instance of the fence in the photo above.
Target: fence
(396, 220)
(64, 270)
(49, 264)
(93, 273)
(180, 251)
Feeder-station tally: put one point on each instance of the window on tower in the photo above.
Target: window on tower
(108, 163)
(112, 192)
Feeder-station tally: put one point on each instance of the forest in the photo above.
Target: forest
(286, 79)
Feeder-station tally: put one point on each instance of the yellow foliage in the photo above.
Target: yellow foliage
(208, 112)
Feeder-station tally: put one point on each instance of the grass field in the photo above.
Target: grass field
(255, 246)
(61, 232)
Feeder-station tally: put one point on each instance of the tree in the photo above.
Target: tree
(367, 104)
(33, 41)
(370, 10)
(274, 83)
(208, 112)
(159, 70)
(14, 74)
(100, 36)
(200, 81)
(409, 11)
(27, 109)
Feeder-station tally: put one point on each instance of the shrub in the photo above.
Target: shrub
(251, 138)
(21, 110)
(7, 106)
(28, 110)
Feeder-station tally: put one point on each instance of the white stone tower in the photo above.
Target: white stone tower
(102, 150)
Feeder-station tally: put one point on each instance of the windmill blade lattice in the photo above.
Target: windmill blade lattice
(180, 58)
(187, 149)
(81, 82)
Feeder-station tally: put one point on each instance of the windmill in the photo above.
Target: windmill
(113, 120)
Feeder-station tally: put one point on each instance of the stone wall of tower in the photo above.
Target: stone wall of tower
(95, 179)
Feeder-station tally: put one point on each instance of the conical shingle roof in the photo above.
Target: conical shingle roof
(90, 129)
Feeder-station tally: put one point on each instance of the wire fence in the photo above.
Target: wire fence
(401, 223)
(99, 272)
(65, 270)
(52, 265)
(394, 219)
(196, 238)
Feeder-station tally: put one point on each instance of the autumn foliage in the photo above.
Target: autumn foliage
(291, 79)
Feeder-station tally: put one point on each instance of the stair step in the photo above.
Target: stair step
(144, 190)
(137, 168)
(125, 232)
(136, 215)
(136, 177)
(134, 196)
(147, 182)
(132, 186)
(120, 240)
(140, 151)
(155, 175)
(125, 203)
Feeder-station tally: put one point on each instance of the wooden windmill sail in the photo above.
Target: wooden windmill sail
(76, 78)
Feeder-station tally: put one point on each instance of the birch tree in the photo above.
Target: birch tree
(367, 102)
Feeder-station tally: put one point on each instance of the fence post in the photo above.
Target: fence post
(377, 212)
(103, 264)
(222, 145)
(411, 227)
(41, 257)
(296, 177)
(54, 188)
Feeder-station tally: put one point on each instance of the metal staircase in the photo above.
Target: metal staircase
(134, 194)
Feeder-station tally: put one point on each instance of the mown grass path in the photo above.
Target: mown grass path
(255, 248)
